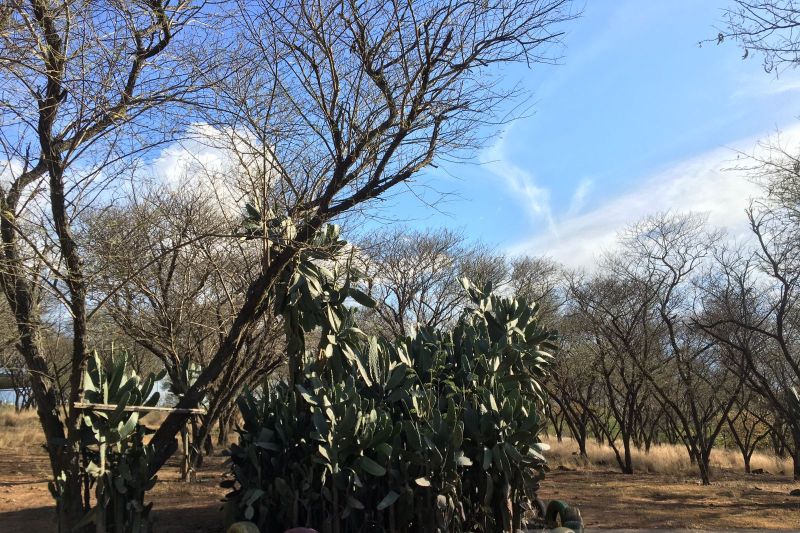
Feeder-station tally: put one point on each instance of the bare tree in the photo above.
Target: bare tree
(767, 27)
(82, 85)
(574, 384)
(748, 423)
(686, 374)
(483, 265)
(616, 312)
(751, 304)
(538, 280)
(172, 280)
(414, 276)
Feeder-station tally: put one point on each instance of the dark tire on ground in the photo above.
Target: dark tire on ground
(572, 519)
(560, 514)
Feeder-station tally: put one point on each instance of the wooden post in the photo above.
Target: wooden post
(186, 463)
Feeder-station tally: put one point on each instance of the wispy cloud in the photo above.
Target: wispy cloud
(534, 199)
(761, 85)
(708, 183)
(580, 196)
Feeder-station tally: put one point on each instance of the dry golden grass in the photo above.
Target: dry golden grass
(10, 418)
(662, 459)
(22, 431)
(19, 430)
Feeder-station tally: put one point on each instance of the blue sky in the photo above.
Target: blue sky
(637, 118)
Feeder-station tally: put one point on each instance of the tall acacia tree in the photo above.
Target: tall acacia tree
(176, 301)
(333, 103)
(686, 374)
(617, 314)
(574, 384)
(413, 275)
(752, 308)
(84, 87)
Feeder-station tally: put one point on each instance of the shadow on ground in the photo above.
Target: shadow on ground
(200, 519)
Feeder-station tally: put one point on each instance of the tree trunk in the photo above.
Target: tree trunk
(703, 465)
(224, 430)
(208, 445)
(777, 443)
(626, 444)
(581, 438)
(64, 457)
(186, 457)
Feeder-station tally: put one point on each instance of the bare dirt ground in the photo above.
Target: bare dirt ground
(610, 500)
(607, 499)
(669, 496)
(26, 505)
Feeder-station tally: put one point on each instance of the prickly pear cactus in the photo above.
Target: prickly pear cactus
(116, 459)
(436, 432)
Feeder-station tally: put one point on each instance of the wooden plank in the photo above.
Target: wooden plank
(137, 408)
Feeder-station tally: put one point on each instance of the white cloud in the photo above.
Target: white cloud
(708, 183)
(228, 165)
(9, 171)
(535, 199)
(198, 153)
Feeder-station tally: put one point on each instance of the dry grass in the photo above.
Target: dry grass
(10, 418)
(19, 430)
(22, 431)
(662, 459)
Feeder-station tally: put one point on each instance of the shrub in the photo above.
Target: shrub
(435, 432)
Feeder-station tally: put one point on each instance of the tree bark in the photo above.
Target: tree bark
(627, 468)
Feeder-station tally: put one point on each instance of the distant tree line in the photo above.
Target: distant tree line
(680, 335)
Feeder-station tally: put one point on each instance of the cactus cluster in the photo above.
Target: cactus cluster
(116, 460)
(434, 432)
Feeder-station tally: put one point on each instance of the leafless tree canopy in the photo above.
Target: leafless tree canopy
(770, 28)
(414, 276)
(340, 100)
